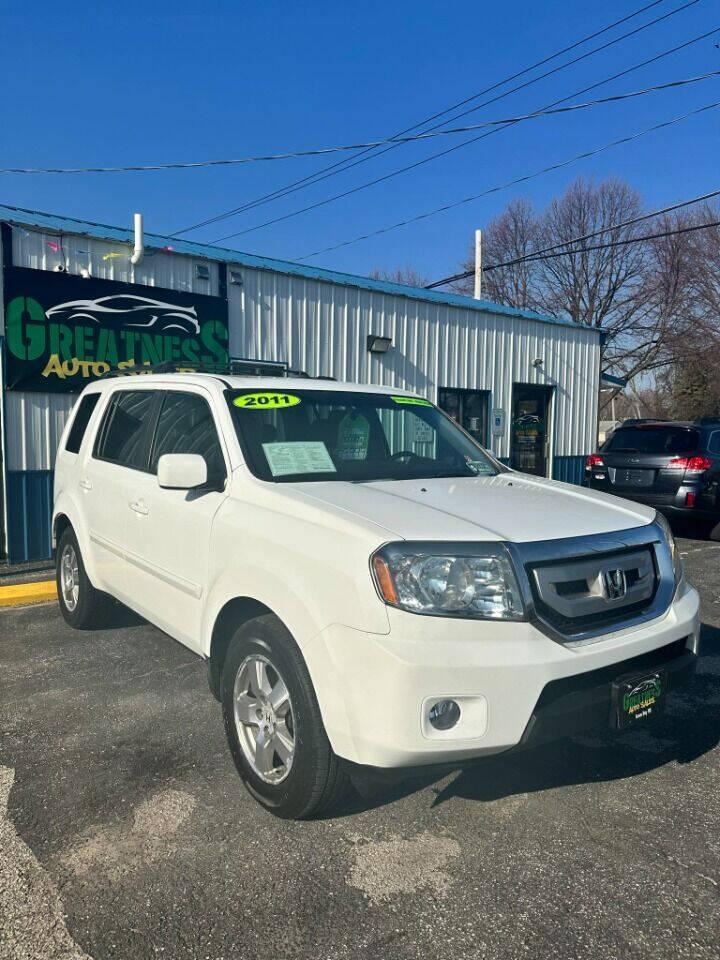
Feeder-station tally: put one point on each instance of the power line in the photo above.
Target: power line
(537, 254)
(460, 146)
(618, 243)
(614, 98)
(513, 183)
(343, 165)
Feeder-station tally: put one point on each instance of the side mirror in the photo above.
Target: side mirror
(181, 471)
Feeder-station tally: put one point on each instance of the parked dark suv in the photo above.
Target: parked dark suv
(672, 466)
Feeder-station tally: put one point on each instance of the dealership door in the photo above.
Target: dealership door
(531, 426)
(469, 408)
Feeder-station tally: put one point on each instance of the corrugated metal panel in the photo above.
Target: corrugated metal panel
(569, 469)
(67, 226)
(322, 328)
(34, 422)
(29, 497)
(35, 249)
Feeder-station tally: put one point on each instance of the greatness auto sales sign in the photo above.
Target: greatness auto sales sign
(62, 331)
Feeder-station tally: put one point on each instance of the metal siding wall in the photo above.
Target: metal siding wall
(34, 424)
(322, 328)
(30, 497)
(170, 270)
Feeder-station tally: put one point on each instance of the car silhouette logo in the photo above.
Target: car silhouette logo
(614, 584)
(130, 311)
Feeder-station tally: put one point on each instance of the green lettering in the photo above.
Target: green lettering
(214, 337)
(151, 348)
(107, 351)
(25, 328)
(61, 340)
(190, 350)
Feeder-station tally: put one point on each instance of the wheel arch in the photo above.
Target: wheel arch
(232, 615)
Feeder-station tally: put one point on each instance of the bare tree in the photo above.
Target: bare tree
(513, 234)
(655, 300)
(405, 275)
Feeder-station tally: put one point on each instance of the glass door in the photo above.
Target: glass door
(530, 437)
(469, 408)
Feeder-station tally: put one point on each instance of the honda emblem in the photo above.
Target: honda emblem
(614, 584)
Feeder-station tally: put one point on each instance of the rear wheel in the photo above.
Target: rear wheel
(273, 723)
(81, 605)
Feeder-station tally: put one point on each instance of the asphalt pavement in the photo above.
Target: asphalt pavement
(125, 832)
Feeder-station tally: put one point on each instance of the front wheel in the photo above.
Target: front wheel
(273, 723)
(81, 605)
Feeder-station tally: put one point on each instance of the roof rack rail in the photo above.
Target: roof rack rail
(235, 366)
(632, 421)
(707, 421)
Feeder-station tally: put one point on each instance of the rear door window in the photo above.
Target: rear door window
(126, 431)
(79, 425)
(186, 425)
(657, 440)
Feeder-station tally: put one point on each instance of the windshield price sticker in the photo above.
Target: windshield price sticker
(266, 401)
(417, 401)
(285, 459)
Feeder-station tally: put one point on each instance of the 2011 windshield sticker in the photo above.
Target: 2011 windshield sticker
(266, 401)
(417, 401)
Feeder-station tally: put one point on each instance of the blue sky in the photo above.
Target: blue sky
(142, 83)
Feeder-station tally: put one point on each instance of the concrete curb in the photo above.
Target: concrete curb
(22, 594)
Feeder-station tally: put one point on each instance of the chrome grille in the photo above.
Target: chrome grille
(567, 584)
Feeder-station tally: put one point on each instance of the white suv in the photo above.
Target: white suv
(368, 586)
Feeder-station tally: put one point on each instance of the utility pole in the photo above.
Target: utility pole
(478, 264)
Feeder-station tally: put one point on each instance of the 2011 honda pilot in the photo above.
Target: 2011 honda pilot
(368, 586)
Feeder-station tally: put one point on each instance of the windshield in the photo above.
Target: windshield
(652, 439)
(342, 435)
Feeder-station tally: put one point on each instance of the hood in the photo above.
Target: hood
(510, 506)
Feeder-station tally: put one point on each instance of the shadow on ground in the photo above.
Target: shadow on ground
(689, 729)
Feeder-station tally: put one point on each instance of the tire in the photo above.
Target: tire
(297, 775)
(81, 605)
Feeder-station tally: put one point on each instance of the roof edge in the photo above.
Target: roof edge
(59, 224)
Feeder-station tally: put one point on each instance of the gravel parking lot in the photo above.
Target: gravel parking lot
(125, 832)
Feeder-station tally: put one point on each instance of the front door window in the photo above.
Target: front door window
(530, 429)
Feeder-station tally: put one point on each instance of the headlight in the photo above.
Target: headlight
(477, 581)
(672, 546)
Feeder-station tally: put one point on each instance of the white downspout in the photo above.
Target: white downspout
(139, 249)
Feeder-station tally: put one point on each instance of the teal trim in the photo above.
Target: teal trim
(50, 221)
(569, 469)
(29, 507)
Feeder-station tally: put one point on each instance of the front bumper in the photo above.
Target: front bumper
(373, 689)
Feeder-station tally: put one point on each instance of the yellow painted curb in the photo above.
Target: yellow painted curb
(21, 594)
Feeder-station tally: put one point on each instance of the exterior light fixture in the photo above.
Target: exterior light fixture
(378, 344)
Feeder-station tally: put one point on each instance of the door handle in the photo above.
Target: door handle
(85, 484)
(139, 506)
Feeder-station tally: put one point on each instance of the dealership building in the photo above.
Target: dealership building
(81, 299)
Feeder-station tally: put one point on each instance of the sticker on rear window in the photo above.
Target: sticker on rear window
(298, 457)
(418, 401)
(266, 401)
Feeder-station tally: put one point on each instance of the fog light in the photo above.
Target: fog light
(444, 714)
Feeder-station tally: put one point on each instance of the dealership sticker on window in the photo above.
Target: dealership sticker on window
(299, 457)
(418, 401)
(266, 401)
(353, 437)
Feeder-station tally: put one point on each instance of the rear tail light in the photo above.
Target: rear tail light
(691, 464)
(594, 461)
